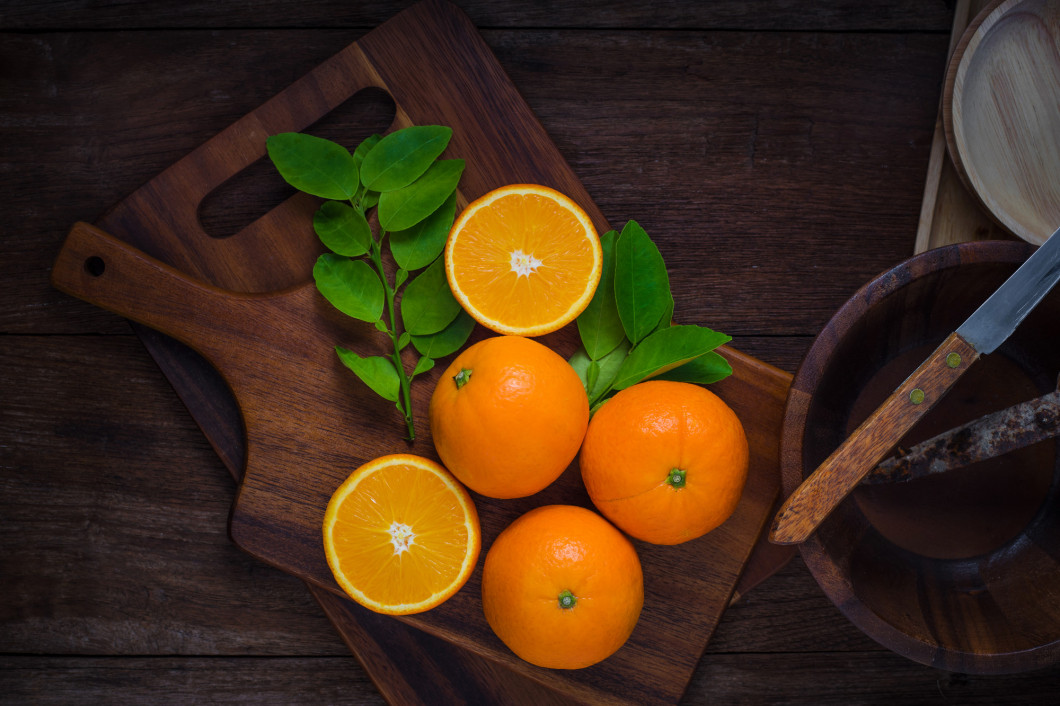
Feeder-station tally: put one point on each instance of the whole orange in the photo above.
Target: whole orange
(665, 461)
(562, 588)
(508, 416)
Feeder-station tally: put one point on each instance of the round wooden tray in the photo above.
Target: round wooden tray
(1001, 112)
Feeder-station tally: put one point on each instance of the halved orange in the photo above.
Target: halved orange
(401, 535)
(523, 259)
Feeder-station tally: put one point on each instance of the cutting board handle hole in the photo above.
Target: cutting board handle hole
(254, 191)
(95, 265)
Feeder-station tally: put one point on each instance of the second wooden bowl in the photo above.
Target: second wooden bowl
(1001, 112)
(960, 570)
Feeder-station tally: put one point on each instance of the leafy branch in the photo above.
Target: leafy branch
(413, 193)
(627, 332)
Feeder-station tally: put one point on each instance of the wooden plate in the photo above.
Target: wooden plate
(1001, 109)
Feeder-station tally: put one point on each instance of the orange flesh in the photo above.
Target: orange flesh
(400, 538)
(524, 261)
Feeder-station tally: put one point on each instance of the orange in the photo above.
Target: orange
(523, 259)
(665, 461)
(508, 416)
(401, 535)
(562, 588)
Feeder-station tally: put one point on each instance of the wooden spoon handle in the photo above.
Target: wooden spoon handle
(97, 267)
(833, 480)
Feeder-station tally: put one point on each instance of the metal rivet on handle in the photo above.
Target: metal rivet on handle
(916, 396)
(953, 360)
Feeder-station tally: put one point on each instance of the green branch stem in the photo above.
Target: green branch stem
(405, 404)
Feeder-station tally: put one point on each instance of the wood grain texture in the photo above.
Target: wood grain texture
(907, 562)
(277, 515)
(877, 15)
(93, 440)
(830, 483)
(1000, 114)
(762, 678)
(948, 213)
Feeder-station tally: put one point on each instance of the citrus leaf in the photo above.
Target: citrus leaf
(427, 304)
(667, 319)
(666, 349)
(366, 146)
(351, 286)
(419, 245)
(404, 208)
(599, 325)
(448, 340)
(314, 165)
(403, 156)
(607, 368)
(704, 370)
(376, 372)
(423, 365)
(642, 287)
(342, 228)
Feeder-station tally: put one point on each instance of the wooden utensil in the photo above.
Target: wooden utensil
(434, 65)
(1001, 111)
(960, 570)
(983, 331)
(987, 437)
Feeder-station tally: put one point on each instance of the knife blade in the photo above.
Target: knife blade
(981, 334)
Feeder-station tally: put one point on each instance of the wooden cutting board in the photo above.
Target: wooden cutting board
(246, 305)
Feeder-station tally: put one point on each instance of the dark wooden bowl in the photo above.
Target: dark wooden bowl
(960, 570)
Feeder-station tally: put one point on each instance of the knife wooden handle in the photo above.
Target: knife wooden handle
(833, 480)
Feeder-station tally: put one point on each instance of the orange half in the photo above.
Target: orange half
(401, 535)
(523, 260)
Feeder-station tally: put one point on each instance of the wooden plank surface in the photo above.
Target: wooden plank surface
(110, 488)
(275, 352)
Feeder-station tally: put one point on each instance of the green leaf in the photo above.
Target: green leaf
(607, 368)
(599, 325)
(366, 146)
(667, 319)
(448, 340)
(403, 156)
(342, 228)
(404, 208)
(376, 372)
(351, 286)
(314, 165)
(403, 340)
(369, 200)
(642, 287)
(419, 245)
(704, 370)
(428, 305)
(666, 349)
(423, 365)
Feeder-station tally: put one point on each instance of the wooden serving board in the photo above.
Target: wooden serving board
(246, 305)
(949, 213)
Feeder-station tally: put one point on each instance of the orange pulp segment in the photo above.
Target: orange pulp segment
(523, 259)
(401, 535)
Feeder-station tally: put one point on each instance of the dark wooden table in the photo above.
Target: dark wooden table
(781, 146)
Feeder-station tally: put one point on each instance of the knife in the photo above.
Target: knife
(987, 437)
(985, 330)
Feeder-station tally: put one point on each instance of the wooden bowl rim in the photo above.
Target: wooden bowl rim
(828, 573)
(953, 88)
